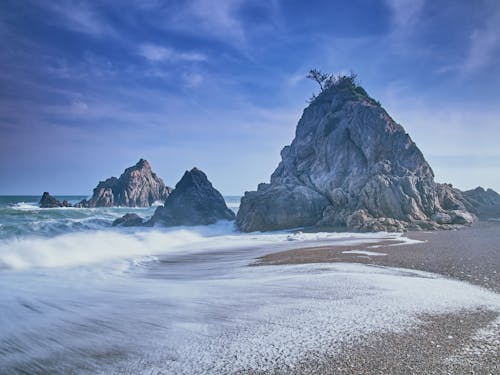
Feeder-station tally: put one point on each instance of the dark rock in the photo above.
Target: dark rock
(138, 186)
(128, 220)
(193, 202)
(351, 165)
(48, 201)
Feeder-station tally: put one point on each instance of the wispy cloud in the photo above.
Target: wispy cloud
(156, 53)
(213, 17)
(405, 12)
(484, 44)
(193, 79)
(81, 17)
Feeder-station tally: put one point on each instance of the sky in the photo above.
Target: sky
(87, 88)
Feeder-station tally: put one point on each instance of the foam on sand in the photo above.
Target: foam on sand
(363, 252)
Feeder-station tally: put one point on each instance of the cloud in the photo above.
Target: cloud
(405, 12)
(484, 44)
(156, 53)
(215, 17)
(192, 79)
(81, 17)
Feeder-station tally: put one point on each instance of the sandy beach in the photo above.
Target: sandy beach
(465, 342)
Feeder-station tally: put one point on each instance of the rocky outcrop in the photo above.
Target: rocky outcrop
(138, 186)
(484, 203)
(128, 220)
(48, 201)
(193, 202)
(351, 166)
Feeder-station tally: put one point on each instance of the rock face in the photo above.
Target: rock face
(138, 186)
(484, 203)
(128, 220)
(351, 166)
(48, 201)
(193, 202)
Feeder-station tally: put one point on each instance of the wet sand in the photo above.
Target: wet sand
(469, 254)
(466, 342)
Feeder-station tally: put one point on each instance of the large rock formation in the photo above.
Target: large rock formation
(352, 166)
(193, 202)
(138, 186)
(48, 201)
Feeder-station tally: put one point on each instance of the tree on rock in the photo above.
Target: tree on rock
(320, 78)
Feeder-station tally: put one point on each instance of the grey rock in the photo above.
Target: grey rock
(462, 217)
(48, 201)
(193, 202)
(484, 203)
(351, 165)
(442, 218)
(128, 220)
(138, 186)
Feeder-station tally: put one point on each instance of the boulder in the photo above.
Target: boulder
(128, 220)
(138, 186)
(351, 165)
(194, 201)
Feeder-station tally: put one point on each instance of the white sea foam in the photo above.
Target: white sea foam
(81, 248)
(363, 252)
(25, 206)
(214, 317)
(185, 302)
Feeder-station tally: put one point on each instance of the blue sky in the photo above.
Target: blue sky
(88, 88)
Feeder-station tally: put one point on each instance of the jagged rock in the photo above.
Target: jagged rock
(193, 202)
(128, 220)
(351, 165)
(48, 201)
(138, 186)
(484, 203)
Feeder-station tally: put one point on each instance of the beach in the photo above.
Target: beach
(467, 341)
(81, 296)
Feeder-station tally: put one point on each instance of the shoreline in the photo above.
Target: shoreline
(470, 254)
(466, 341)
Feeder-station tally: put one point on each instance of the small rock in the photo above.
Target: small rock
(128, 220)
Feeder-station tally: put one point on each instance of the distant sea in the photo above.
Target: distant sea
(21, 216)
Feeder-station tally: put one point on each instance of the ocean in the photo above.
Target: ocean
(80, 296)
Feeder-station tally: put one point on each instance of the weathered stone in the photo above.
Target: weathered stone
(442, 218)
(128, 220)
(138, 186)
(351, 165)
(193, 202)
(484, 203)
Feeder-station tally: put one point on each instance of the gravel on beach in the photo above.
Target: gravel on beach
(465, 342)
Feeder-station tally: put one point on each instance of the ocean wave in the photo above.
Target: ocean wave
(24, 206)
(98, 246)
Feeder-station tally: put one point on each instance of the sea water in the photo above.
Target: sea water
(80, 296)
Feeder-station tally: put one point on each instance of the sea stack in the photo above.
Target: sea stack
(194, 201)
(138, 186)
(48, 201)
(351, 166)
